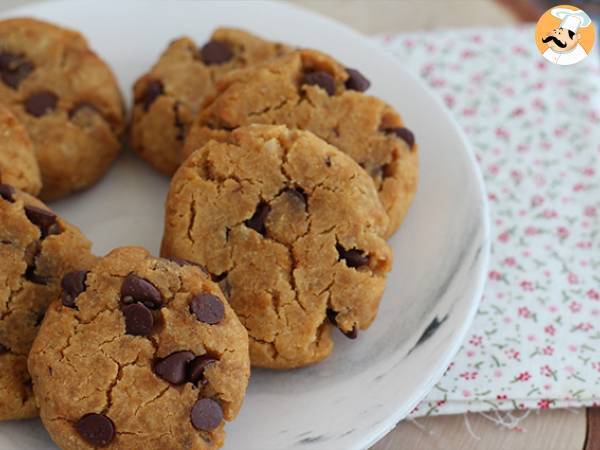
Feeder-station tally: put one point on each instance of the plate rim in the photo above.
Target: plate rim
(460, 333)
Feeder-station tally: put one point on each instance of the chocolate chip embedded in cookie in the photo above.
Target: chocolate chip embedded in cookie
(38, 249)
(18, 166)
(309, 90)
(168, 97)
(66, 97)
(292, 229)
(127, 358)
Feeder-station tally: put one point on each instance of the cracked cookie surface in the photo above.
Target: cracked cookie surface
(169, 96)
(18, 166)
(66, 97)
(37, 248)
(309, 90)
(139, 352)
(292, 229)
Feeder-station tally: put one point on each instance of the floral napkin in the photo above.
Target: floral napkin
(535, 129)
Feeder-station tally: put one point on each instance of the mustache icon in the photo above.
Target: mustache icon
(555, 40)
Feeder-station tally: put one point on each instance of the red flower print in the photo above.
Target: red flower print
(584, 245)
(584, 326)
(523, 376)
(578, 187)
(573, 279)
(503, 237)
(548, 350)
(440, 402)
(596, 366)
(544, 404)
(466, 54)
(549, 214)
(593, 294)
(549, 329)
(438, 82)
(531, 231)
(589, 171)
(537, 200)
(468, 375)
(516, 175)
(493, 275)
(524, 312)
(562, 232)
(502, 133)
(510, 261)
(517, 112)
(449, 100)
(589, 211)
(546, 371)
(501, 397)
(526, 285)
(476, 340)
(575, 307)
(513, 354)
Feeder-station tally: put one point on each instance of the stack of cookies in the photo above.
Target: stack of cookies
(287, 179)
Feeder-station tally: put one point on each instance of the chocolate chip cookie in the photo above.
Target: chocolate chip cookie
(66, 97)
(37, 248)
(139, 353)
(168, 97)
(292, 229)
(311, 91)
(18, 166)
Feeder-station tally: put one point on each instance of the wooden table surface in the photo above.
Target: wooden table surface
(539, 430)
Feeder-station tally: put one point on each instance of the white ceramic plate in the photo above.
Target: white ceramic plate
(441, 252)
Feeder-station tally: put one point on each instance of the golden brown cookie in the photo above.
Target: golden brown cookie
(168, 97)
(66, 97)
(18, 166)
(311, 91)
(37, 248)
(293, 230)
(139, 353)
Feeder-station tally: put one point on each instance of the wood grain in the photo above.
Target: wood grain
(592, 440)
(543, 430)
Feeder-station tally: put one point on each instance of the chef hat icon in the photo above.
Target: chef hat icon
(571, 19)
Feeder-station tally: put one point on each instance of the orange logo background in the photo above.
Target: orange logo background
(548, 23)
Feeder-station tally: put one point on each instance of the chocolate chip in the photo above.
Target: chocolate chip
(206, 414)
(173, 368)
(82, 106)
(45, 220)
(72, 285)
(14, 69)
(356, 81)
(30, 275)
(138, 319)
(41, 103)
(257, 221)
(220, 277)
(403, 133)
(215, 52)
(196, 368)
(7, 192)
(354, 257)
(352, 334)
(154, 89)
(207, 308)
(322, 79)
(3, 349)
(137, 289)
(331, 315)
(96, 429)
(298, 193)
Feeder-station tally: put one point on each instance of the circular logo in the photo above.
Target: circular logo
(565, 35)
